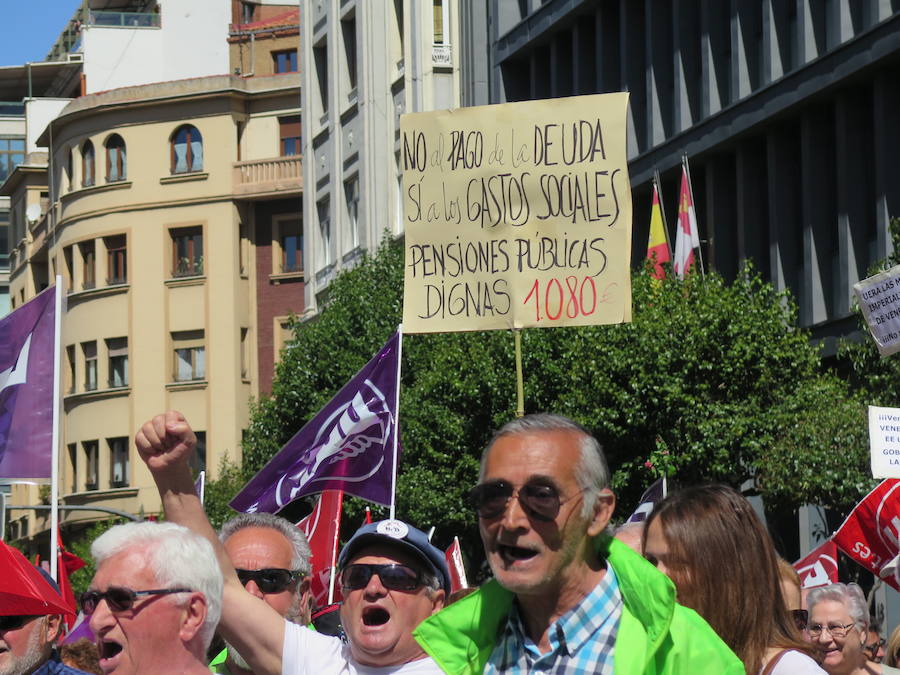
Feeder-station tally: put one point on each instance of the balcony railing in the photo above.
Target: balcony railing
(125, 19)
(257, 177)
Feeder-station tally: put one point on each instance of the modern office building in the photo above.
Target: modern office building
(368, 63)
(786, 109)
(172, 211)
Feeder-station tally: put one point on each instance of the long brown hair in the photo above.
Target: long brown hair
(724, 566)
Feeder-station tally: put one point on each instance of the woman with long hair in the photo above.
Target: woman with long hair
(711, 543)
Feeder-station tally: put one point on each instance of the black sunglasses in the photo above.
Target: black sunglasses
(540, 500)
(270, 579)
(800, 617)
(120, 599)
(393, 577)
(14, 622)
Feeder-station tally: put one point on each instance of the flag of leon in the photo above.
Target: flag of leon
(26, 388)
(658, 245)
(688, 237)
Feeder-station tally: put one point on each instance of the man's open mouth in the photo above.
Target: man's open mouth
(375, 616)
(511, 554)
(109, 649)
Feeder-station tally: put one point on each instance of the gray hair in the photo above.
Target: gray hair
(850, 595)
(592, 473)
(300, 552)
(176, 556)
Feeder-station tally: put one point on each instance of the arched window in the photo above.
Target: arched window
(187, 150)
(87, 164)
(70, 176)
(115, 158)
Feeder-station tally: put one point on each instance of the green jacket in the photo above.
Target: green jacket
(655, 635)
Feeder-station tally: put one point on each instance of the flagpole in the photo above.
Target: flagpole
(54, 462)
(662, 211)
(687, 169)
(520, 385)
(334, 546)
(396, 422)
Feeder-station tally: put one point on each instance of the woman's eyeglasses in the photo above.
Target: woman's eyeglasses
(270, 579)
(540, 501)
(393, 577)
(834, 629)
(119, 598)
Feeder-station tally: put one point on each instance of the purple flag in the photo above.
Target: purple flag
(651, 495)
(347, 446)
(26, 389)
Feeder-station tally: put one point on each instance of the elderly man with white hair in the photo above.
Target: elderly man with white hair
(155, 599)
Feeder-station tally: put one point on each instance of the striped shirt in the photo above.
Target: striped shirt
(581, 640)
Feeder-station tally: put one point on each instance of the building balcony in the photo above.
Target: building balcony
(260, 179)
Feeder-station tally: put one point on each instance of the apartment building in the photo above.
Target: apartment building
(172, 211)
(368, 63)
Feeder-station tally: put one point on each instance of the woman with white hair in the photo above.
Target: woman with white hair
(838, 623)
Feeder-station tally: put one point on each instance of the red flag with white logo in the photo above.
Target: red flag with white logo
(457, 567)
(819, 568)
(322, 528)
(871, 533)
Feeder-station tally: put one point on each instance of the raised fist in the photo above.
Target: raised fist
(166, 442)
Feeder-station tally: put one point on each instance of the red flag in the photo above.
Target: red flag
(368, 520)
(66, 564)
(457, 568)
(871, 533)
(322, 528)
(819, 568)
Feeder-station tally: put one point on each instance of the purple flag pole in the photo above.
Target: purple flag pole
(54, 464)
(396, 421)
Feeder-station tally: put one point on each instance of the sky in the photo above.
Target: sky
(30, 27)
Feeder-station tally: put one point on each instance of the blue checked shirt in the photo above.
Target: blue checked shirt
(581, 640)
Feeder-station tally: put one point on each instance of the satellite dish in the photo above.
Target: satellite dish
(33, 213)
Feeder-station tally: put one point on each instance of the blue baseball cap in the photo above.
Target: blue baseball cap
(402, 536)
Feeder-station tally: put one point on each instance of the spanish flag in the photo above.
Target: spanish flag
(658, 246)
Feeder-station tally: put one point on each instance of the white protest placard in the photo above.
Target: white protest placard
(517, 215)
(879, 300)
(884, 441)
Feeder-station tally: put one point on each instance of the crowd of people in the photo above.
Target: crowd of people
(698, 588)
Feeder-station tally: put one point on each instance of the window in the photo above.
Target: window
(187, 150)
(320, 58)
(348, 31)
(87, 164)
(92, 464)
(88, 261)
(89, 350)
(117, 349)
(190, 356)
(440, 11)
(290, 241)
(198, 460)
(285, 61)
(116, 263)
(248, 12)
(70, 359)
(245, 353)
(351, 194)
(72, 449)
(115, 158)
(187, 251)
(12, 153)
(290, 135)
(118, 462)
(69, 170)
(324, 231)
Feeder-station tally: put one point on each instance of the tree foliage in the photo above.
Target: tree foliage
(710, 381)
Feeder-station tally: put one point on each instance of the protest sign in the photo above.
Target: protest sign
(517, 215)
(884, 441)
(819, 568)
(879, 300)
(871, 533)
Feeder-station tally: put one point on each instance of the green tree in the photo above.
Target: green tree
(711, 381)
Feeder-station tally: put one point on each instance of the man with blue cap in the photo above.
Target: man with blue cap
(392, 579)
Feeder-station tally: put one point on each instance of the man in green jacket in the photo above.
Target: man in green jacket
(565, 598)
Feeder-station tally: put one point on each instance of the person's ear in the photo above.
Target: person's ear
(194, 616)
(438, 600)
(603, 511)
(54, 628)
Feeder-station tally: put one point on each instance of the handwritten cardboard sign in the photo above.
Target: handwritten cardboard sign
(884, 441)
(879, 300)
(517, 215)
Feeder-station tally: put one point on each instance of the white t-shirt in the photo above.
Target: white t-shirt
(307, 652)
(796, 663)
